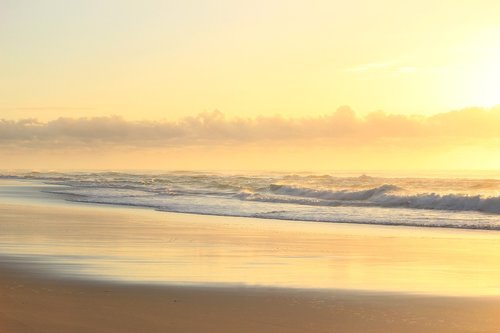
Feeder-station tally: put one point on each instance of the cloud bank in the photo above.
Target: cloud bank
(342, 127)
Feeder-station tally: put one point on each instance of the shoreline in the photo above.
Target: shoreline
(479, 216)
(116, 244)
(271, 275)
(58, 199)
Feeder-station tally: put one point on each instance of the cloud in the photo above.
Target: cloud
(341, 128)
(45, 108)
(369, 67)
(382, 68)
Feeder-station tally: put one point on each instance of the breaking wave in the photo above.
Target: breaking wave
(382, 196)
(332, 195)
(445, 202)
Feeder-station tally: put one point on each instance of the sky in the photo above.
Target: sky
(257, 84)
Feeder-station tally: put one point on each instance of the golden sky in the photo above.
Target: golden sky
(142, 77)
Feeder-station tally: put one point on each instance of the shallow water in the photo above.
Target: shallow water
(39, 231)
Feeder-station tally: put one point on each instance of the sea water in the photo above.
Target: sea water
(470, 201)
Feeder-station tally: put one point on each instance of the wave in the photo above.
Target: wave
(292, 215)
(381, 196)
(442, 202)
(332, 195)
(327, 198)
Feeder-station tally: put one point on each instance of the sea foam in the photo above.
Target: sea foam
(443, 202)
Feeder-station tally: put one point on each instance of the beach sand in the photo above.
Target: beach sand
(36, 304)
(275, 276)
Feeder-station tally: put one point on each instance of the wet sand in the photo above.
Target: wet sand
(30, 303)
(140, 245)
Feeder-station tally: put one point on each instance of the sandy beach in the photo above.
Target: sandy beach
(77, 268)
(36, 304)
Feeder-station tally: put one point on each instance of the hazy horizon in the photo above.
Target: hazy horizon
(465, 139)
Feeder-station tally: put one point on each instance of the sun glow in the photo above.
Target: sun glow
(486, 90)
(479, 70)
(125, 78)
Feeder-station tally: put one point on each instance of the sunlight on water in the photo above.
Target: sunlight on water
(140, 246)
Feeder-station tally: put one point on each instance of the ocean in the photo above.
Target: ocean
(467, 200)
